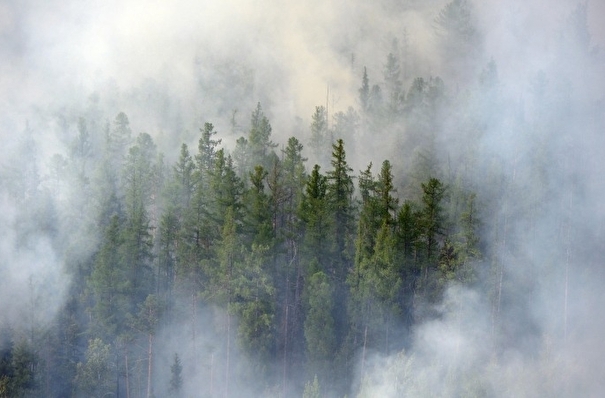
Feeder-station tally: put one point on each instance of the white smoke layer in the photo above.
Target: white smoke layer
(173, 65)
(33, 283)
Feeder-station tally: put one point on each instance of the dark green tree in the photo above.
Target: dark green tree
(339, 194)
(319, 326)
(315, 216)
(258, 212)
(108, 284)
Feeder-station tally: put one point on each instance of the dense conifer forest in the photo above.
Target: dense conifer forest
(413, 234)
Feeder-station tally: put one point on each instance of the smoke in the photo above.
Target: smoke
(173, 65)
(33, 283)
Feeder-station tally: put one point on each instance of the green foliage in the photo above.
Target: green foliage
(319, 326)
(252, 302)
(108, 283)
(432, 218)
(258, 209)
(320, 135)
(93, 378)
(309, 273)
(312, 389)
(259, 139)
(184, 178)
(24, 363)
(339, 195)
(176, 377)
(314, 213)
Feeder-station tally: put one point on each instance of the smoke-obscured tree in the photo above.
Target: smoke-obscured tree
(176, 377)
(25, 375)
(455, 26)
(346, 125)
(294, 178)
(259, 138)
(241, 157)
(81, 148)
(108, 283)
(393, 85)
(207, 151)
(226, 191)
(364, 91)
(367, 224)
(253, 303)
(145, 322)
(320, 138)
(312, 389)
(197, 232)
(93, 378)
(119, 138)
(319, 327)
(168, 241)
(184, 178)
(407, 245)
(137, 239)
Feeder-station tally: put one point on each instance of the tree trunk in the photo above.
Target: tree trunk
(149, 363)
(127, 377)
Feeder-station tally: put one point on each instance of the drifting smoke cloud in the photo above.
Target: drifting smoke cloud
(32, 280)
(173, 65)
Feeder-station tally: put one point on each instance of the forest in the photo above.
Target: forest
(431, 227)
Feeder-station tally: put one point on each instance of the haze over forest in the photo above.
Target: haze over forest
(302, 199)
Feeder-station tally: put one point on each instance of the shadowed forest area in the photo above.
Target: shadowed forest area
(432, 226)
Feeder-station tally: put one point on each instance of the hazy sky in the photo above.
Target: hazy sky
(51, 49)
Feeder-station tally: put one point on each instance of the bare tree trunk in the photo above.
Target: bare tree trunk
(228, 352)
(363, 355)
(212, 374)
(193, 330)
(149, 363)
(285, 364)
(127, 376)
(502, 259)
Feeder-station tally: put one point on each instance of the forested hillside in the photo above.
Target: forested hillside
(432, 227)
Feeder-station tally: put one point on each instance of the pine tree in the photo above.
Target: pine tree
(339, 193)
(319, 327)
(184, 178)
(258, 213)
(176, 377)
(393, 85)
(432, 223)
(138, 242)
(364, 91)
(320, 135)
(259, 139)
(108, 283)
(315, 216)
(312, 389)
(93, 377)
